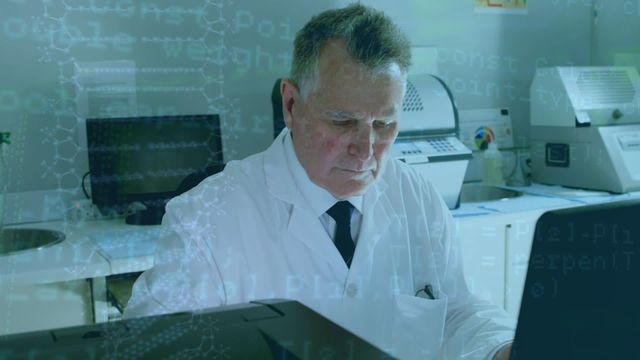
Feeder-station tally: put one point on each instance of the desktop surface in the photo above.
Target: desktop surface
(268, 329)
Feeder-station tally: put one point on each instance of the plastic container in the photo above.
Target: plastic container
(492, 166)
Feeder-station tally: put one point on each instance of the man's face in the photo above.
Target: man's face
(343, 131)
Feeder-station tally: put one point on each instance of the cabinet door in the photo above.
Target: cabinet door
(483, 252)
(519, 240)
(44, 306)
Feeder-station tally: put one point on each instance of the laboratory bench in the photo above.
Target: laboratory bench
(83, 279)
(496, 237)
(87, 277)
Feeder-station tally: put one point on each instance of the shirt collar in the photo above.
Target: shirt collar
(318, 198)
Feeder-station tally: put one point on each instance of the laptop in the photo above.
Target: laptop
(269, 329)
(581, 297)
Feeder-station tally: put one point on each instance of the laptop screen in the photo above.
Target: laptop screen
(581, 298)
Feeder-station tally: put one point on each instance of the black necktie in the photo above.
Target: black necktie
(341, 213)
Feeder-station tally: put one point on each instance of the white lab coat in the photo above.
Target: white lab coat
(248, 234)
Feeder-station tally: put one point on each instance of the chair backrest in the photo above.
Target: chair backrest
(276, 103)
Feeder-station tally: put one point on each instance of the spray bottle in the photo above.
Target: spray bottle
(492, 166)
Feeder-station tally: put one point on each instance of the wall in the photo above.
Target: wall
(489, 59)
(221, 56)
(195, 56)
(616, 39)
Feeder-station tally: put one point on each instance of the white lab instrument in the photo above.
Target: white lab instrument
(428, 138)
(585, 127)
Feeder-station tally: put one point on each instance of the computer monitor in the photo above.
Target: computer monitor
(145, 159)
(581, 297)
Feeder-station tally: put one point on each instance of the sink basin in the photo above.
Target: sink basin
(17, 240)
(473, 192)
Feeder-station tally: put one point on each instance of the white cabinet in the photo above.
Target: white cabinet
(518, 249)
(495, 250)
(44, 306)
(483, 251)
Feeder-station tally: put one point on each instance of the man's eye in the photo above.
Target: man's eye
(382, 124)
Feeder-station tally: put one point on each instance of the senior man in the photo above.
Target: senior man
(323, 216)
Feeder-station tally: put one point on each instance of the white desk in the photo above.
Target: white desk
(96, 249)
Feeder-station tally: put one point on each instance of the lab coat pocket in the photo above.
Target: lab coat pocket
(418, 327)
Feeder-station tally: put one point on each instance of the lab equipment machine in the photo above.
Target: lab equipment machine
(266, 329)
(144, 160)
(428, 138)
(585, 127)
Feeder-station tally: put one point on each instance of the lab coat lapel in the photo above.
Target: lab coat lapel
(375, 226)
(303, 225)
(371, 271)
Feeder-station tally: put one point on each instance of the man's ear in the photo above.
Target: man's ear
(289, 93)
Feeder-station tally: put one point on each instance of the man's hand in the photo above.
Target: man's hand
(503, 353)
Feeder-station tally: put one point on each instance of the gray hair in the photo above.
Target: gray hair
(372, 39)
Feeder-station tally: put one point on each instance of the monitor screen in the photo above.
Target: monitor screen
(146, 158)
(582, 293)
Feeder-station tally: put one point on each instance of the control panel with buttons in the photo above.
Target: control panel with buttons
(428, 147)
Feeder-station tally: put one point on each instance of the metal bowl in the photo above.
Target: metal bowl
(18, 240)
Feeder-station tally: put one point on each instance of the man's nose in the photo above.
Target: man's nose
(362, 144)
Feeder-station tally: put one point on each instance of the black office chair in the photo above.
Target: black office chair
(276, 102)
(195, 178)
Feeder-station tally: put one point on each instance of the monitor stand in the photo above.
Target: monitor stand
(152, 215)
